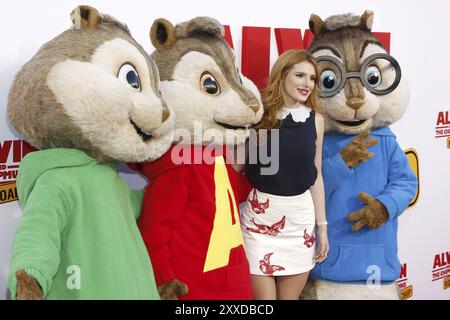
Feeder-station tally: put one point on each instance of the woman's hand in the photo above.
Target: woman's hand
(240, 156)
(323, 247)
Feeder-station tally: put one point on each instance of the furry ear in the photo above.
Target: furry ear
(162, 34)
(85, 17)
(316, 25)
(200, 25)
(367, 20)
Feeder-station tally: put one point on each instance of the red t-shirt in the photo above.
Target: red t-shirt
(182, 204)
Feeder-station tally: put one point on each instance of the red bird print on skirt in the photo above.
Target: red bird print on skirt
(266, 267)
(258, 207)
(309, 239)
(272, 230)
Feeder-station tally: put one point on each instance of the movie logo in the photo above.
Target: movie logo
(442, 129)
(441, 268)
(11, 153)
(406, 290)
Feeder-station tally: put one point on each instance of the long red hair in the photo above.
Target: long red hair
(271, 95)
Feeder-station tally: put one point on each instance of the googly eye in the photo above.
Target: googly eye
(373, 76)
(209, 84)
(328, 81)
(129, 76)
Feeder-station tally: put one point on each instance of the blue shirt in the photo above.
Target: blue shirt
(355, 256)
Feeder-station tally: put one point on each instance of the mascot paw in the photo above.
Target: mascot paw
(373, 215)
(172, 290)
(27, 287)
(356, 151)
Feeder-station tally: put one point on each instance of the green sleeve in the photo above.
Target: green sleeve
(37, 241)
(136, 201)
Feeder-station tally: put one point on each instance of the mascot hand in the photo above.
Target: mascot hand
(27, 287)
(373, 215)
(172, 290)
(356, 151)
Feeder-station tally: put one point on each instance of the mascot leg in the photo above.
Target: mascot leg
(325, 290)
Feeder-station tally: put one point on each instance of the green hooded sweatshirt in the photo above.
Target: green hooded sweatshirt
(78, 235)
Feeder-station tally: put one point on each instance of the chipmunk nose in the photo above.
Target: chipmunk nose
(355, 103)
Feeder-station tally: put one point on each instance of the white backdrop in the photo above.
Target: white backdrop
(419, 41)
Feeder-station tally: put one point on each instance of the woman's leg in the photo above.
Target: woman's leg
(263, 287)
(290, 287)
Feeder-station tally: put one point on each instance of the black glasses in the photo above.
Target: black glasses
(380, 73)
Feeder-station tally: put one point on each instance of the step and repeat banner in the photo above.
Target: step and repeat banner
(414, 33)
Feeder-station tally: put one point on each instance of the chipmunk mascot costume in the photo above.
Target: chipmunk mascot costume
(190, 218)
(87, 99)
(367, 177)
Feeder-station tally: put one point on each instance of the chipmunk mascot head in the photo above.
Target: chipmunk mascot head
(368, 181)
(190, 220)
(87, 99)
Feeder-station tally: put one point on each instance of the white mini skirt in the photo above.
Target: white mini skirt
(278, 233)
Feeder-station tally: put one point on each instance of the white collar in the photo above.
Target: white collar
(299, 114)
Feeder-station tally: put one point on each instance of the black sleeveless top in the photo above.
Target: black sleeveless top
(297, 149)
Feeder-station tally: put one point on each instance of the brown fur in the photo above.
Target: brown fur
(316, 25)
(348, 43)
(367, 20)
(203, 25)
(172, 290)
(373, 215)
(32, 108)
(205, 36)
(309, 291)
(162, 34)
(89, 17)
(356, 151)
(332, 23)
(347, 36)
(35, 112)
(27, 287)
(344, 40)
(200, 35)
